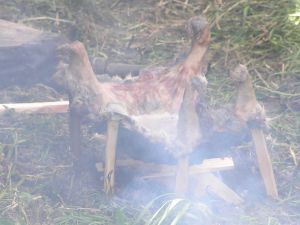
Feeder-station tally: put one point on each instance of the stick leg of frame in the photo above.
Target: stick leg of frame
(110, 156)
(264, 162)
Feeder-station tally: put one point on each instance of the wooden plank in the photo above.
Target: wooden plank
(207, 182)
(36, 107)
(264, 162)
(164, 170)
(209, 165)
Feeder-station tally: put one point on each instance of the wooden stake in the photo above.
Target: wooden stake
(110, 155)
(264, 162)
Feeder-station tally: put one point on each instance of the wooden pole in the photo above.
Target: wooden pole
(264, 162)
(110, 156)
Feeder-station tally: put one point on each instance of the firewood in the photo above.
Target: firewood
(154, 170)
(138, 164)
(207, 182)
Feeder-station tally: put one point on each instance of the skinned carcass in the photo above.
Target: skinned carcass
(165, 105)
(159, 103)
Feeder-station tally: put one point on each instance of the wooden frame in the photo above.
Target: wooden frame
(158, 170)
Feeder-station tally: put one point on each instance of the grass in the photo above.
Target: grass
(35, 164)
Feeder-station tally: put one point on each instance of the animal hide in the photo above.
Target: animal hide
(160, 103)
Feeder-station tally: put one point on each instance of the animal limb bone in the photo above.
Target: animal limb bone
(248, 109)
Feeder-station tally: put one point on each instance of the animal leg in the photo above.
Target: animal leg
(247, 109)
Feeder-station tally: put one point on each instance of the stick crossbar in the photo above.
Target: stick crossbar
(36, 107)
(154, 171)
(163, 170)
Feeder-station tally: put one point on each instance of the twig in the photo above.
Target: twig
(36, 107)
(46, 18)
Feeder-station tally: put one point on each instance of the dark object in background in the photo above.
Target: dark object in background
(27, 55)
(103, 66)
